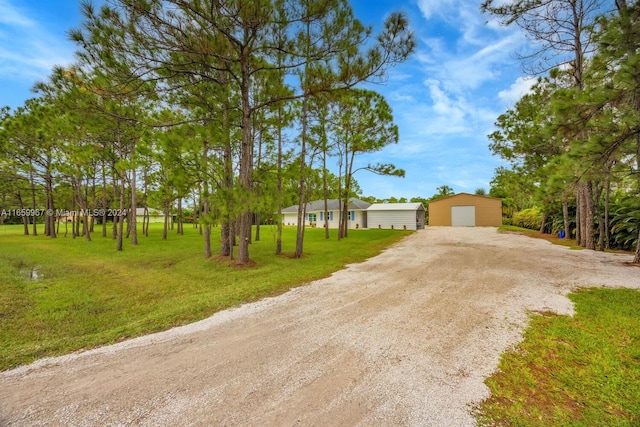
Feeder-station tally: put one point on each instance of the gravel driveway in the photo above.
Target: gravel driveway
(405, 338)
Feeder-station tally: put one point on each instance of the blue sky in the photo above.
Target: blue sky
(445, 99)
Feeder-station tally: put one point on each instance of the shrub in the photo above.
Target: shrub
(625, 220)
(528, 218)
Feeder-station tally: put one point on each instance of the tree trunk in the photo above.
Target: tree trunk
(345, 217)
(232, 237)
(86, 217)
(50, 229)
(226, 229)
(25, 219)
(347, 191)
(325, 188)
(116, 195)
(279, 184)
(257, 222)
(180, 219)
(93, 199)
(589, 212)
(565, 218)
(578, 217)
(607, 202)
(245, 156)
(258, 188)
(207, 230)
(204, 199)
(134, 204)
(33, 198)
(75, 223)
(145, 221)
(104, 202)
(596, 211)
(301, 184)
(340, 232)
(636, 257)
(326, 216)
(119, 236)
(543, 223)
(165, 228)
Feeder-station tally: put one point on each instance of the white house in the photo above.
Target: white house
(397, 216)
(315, 213)
(155, 215)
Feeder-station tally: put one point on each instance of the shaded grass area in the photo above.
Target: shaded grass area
(570, 243)
(62, 295)
(572, 371)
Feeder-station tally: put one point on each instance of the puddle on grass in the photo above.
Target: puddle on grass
(32, 273)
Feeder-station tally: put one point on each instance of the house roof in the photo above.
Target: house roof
(332, 205)
(395, 207)
(466, 194)
(152, 212)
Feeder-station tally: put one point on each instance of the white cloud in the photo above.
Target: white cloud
(472, 25)
(400, 97)
(435, 7)
(517, 90)
(473, 70)
(28, 51)
(477, 56)
(445, 107)
(13, 16)
(463, 16)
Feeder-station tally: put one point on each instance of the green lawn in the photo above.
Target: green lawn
(87, 294)
(573, 371)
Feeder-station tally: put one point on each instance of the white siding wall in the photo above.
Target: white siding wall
(385, 219)
(359, 222)
(292, 219)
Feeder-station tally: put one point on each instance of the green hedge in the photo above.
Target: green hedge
(528, 218)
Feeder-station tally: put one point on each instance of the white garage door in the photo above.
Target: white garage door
(463, 216)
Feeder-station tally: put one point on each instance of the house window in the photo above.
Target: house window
(311, 217)
(321, 216)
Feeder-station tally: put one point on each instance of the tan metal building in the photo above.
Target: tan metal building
(466, 210)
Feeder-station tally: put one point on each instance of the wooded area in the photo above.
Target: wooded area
(233, 104)
(573, 143)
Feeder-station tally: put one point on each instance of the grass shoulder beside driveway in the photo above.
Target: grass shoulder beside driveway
(570, 243)
(572, 371)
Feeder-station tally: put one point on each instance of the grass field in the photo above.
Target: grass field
(573, 371)
(62, 295)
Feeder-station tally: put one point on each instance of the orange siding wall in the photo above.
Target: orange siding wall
(488, 209)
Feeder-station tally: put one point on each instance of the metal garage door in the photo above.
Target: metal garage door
(463, 216)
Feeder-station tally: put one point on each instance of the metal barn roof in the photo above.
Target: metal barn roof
(395, 207)
(332, 205)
